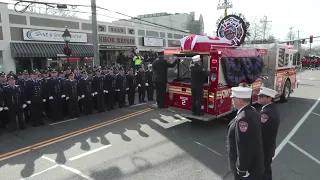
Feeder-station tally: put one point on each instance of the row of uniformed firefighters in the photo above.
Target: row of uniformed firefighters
(58, 96)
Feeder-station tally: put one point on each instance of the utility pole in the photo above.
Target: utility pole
(94, 23)
(291, 35)
(299, 41)
(225, 5)
(265, 25)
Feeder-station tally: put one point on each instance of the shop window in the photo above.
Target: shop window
(1, 35)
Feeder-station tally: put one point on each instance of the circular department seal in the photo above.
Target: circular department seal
(233, 28)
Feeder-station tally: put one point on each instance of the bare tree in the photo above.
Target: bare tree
(271, 39)
(41, 9)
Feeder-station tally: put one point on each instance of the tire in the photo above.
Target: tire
(286, 92)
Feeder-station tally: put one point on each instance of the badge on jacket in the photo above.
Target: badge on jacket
(243, 126)
(264, 118)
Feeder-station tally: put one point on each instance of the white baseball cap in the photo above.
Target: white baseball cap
(267, 92)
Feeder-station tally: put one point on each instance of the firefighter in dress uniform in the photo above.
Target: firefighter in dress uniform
(150, 83)
(72, 96)
(110, 83)
(160, 69)
(3, 114)
(198, 79)
(270, 121)
(141, 81)
(132, 85)
(98, 87)
(244, 140)
(55, 95)
(121, 87)
(47, 107)
(35, 98)
(86, 92)
(14, 102)
(23, 84)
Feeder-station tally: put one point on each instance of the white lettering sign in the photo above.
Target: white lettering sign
(183, 100)
(52, 36)
(152, 42)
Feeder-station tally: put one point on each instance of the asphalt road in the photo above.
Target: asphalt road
(157, 145)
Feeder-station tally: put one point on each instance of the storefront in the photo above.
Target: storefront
(42, 48)
(116, 49)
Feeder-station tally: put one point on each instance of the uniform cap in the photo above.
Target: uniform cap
(267, 92)
(53, 71)
(196, 58)
(2, 74)
(241, 92)
(121, 69)
(11, 77)
(25, 72)
(149, 65)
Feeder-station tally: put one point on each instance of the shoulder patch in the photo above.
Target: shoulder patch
(264, 118)
(243, 126)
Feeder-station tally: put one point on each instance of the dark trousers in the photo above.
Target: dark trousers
(48, 109)
(100, 101)
(73, 109)
(4, 119)
(111, 98)
(57, 108)
(122, 98)
(142, 93)
(196, 98)
(36, 109)
(161, 93)
(251, 177)
(131, 95)
(150, 92)
(267, 168)
(26, 114)
(87, 104)
(15, 114)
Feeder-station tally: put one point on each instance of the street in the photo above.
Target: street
(140, 143)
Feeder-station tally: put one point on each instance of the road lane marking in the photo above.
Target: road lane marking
(63, 121)
(304, 152)
(41, 172)
(89, 152)
(207, 148)
(68, 168)
(315, 113)
(69, 135)
(138, 104)
(295, 129)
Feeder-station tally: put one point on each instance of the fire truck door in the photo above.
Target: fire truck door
(269, 70)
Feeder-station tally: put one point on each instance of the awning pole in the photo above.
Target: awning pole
(31, 62)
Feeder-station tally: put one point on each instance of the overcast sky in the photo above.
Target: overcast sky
(283, 14)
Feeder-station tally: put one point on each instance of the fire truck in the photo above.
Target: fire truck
(229, 66)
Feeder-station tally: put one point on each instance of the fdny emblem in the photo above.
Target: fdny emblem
(243, 126)
(171, 96)
(233, 28)
(264, 118)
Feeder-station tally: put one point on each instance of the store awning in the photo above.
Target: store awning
(48, 50)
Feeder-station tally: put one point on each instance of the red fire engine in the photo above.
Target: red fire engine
(229, 66)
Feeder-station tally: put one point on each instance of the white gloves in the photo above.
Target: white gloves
(147, 84)
(67, 98)
(63, 96)
(44, 100)
(127, 89)
(50, 97)
(79, 98)
(6, 108)
(24, 106)
(82, 96)
(139, 85)
(1, 109)
(28, 102)
(92, 94)
(95, 93)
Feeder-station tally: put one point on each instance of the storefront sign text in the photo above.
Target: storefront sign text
(52, 36)
(116, 40)
(152, 42)
(119, 30)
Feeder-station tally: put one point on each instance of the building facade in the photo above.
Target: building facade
(180, 21)
(33, 41)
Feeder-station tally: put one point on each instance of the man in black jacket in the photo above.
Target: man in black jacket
(244, 140)
(160, 69)
(198, 79)
(270, 121)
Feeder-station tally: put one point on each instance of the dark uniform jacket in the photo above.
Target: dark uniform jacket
(131, 81)
(244, 143)
(110, 82)
(35, 91)
(85, 87)
(150, 77)
(1, 94)
(71, 88)
(198, 76)
(55, 87)
(121, 82)
(160, 69)
(98, 84)
(13, 97)
(270, 121)
(141, 78)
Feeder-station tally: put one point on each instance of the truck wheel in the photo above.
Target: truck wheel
(286, 92)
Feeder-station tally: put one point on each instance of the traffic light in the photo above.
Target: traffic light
(311, 39)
